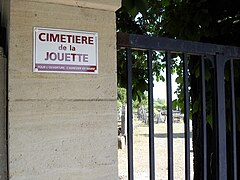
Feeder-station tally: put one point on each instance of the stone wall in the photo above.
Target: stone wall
(62, 126)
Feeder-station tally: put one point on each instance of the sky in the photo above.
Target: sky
(159, 89)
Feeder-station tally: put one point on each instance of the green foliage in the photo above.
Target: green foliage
(206, 21)
(133, 7)
(159, 104)
(139, 72)
(140, 102)
(122, 99)
(121, 96)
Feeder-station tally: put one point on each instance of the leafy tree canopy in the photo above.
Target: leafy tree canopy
(214, 21)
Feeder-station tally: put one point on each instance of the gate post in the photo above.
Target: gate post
(61, 125)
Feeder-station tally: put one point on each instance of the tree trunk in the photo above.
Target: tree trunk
(196, 121)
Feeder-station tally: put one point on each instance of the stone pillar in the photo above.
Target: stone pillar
(62, 126)
(3, 148)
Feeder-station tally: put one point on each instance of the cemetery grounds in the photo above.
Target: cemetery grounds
(141, 152)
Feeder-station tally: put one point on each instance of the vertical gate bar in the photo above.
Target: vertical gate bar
(7, 119)
(233, 108)
(169, 116)
(204, 120)
(129, 115)
(221, 118)
(151, 117)
(186, 118)
(214, 140)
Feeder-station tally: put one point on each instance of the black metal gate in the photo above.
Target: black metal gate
(218, 56)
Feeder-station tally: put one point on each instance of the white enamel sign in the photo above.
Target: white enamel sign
(65, 51)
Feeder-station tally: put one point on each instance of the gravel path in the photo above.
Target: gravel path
(141, 153)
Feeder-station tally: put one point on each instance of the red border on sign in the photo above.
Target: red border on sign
(65, 68)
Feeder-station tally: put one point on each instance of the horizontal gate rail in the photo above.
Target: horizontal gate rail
(165, 44)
